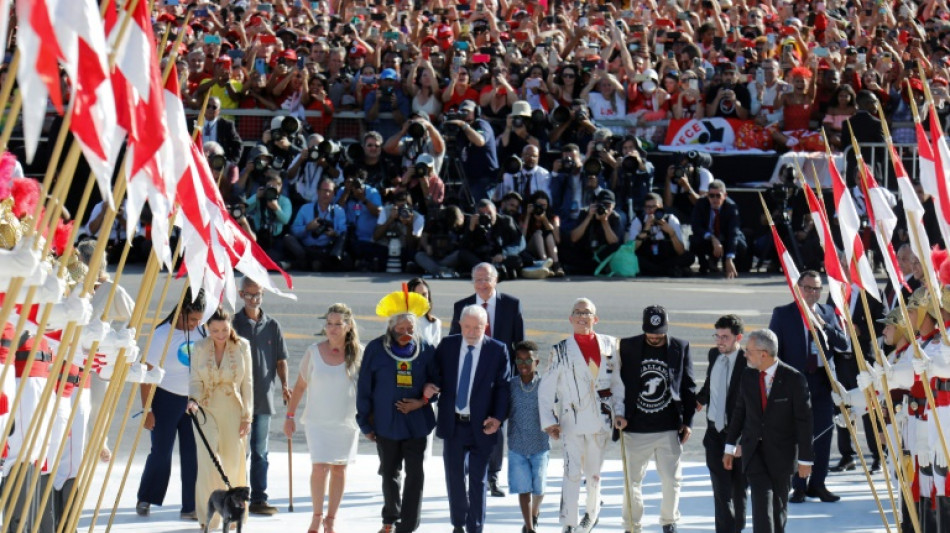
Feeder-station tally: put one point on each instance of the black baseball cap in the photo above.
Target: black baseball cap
(655, 320)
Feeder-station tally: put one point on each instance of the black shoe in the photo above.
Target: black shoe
(798, 496)
(822, 493)
(142, 508)
(846, 463)
(458, 529)
(876, 465)
(494, 490)
(669, 528)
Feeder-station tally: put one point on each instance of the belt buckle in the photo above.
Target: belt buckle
(914, 406)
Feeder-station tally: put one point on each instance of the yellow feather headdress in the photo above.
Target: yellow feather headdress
(402, 302)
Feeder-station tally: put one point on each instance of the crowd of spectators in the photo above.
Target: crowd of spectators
(519, 133)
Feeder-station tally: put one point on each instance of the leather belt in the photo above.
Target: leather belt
(916, 406)
(605, 393)
(5, 343)
(463, 418)
(942, 385)
(41, 356)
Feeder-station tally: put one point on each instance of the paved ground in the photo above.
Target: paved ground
(693, 305)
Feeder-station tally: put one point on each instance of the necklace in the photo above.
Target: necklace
(388, 349)
(534, 385)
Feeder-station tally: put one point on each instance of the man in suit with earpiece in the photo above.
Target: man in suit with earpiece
(719, 395)
(773, 416)
(473, 370)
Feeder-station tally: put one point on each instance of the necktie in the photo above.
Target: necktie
(461, 399)
(811, 360)
(207, 132)
(715, 224)
(488, 322)
(762, 390)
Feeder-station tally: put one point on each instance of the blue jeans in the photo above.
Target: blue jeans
(170, 421)
(260, 430)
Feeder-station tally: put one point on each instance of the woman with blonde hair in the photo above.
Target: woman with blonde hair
(331, 367)
(222, 398)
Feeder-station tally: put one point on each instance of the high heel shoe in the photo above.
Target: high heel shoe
(317, 520)
(328, 524)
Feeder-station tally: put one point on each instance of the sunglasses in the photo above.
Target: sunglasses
(714, 195)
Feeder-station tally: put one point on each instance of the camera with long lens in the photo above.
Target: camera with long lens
(405, 213)
(783, 190)
(602, 208)
(517, 122)
(421, 170)
(593, 167)
(261, 164)
(568, 164)
(560, 115)
(660, 214)
(484, 221)
(538, 209)
(322, 227)
(416, 130)
(329, 150)
(690, 161)
(600, 146)
(513, 165)
(217, 162)
(630, 164)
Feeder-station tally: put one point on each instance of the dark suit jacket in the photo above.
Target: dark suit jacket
(867, 129)
(785, 425)
(792, 343)
(508, 326)
(728, 223)
(682, 385)
(490, 389)
(229, 139)
(504, 234)
(737, 368)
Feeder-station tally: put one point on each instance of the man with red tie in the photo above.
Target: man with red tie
(773, 417)
(716, 234)
(506, 325)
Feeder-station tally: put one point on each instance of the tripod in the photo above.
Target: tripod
(453, 175)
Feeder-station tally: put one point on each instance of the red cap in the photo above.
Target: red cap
(429, 41)
(444, 32)
(255, 21)
(940, 81)
(166, 17)
(289, 54)
(223, 60)
(664, 23)
(358, 51)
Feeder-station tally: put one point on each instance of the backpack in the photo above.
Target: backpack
(622, 263)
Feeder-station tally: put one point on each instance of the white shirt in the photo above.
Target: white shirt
(430, 332)
(656, 233)
(210, 132)
(471, 378)
(536, 179)
(178, 362)
(719, 389)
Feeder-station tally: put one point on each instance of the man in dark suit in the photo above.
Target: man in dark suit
(716, 232)
(221, 131)
(867, 130)
(773, 416)
(719, 395)
(800, 351)
(473, 370)
(505, 324)
(492, 237)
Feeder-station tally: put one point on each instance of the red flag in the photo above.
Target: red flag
(38, 74)
(882, 220)
(790, 270)
(849, 224)
(838, 284)
(933, 180)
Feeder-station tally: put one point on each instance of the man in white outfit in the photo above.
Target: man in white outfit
(584, 376)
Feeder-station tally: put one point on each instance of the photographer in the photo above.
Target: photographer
(523, 175)
(361, 202)
(316, 237)
(388, 98)
(717, 233)
(238, 211)
(598, 235)
(728, 99)
(254, 175)
(572, 125)
(632, 178)
(417, 136)
(542, 231)
(516, 137)
(567, 186)
(492, 238)
(687, 180)
(372, 160)
(398, 229)
(439, 246)
(268, 212)
(280, 144)
(475, 148)
(658, 238)
(224, 171)
(320, 160)
(422, 184)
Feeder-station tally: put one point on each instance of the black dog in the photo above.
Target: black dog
(230, 504)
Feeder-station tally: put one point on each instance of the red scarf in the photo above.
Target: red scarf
(589, 348)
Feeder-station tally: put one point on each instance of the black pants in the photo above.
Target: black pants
(663, 264)
(729, 486)
(304, 256)
(497, 456)
(31, 514)
(846, 370)
(704, 250)
(401, 509)
(769, 495)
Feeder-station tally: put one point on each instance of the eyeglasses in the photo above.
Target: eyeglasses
(582, 313)
(483, 280)
(253, 296)
(527, 361)
(722, 337)
(213, 107)
(714, 195)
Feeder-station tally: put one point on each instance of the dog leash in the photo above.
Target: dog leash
(214, 458)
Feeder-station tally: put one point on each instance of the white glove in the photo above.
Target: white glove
(115, 341)
(71, 309)
(839, 421)
(92, 333)
(52, 289)
(865, 380)
(22, 261)
(139, 373)
(835, 397)
(922, 364)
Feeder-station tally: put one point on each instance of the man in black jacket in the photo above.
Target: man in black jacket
(716, 232)
(719, 395)
(493, 238)
(221, 131)
(598, 234)
(867, 130)
(659, 405)
(773, 416)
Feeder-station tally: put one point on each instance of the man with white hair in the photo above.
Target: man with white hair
(473, 383)
(221, 130)
(580, 399)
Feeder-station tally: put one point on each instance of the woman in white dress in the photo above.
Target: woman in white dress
(331, 367)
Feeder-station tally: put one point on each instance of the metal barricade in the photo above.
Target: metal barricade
(878, 158)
